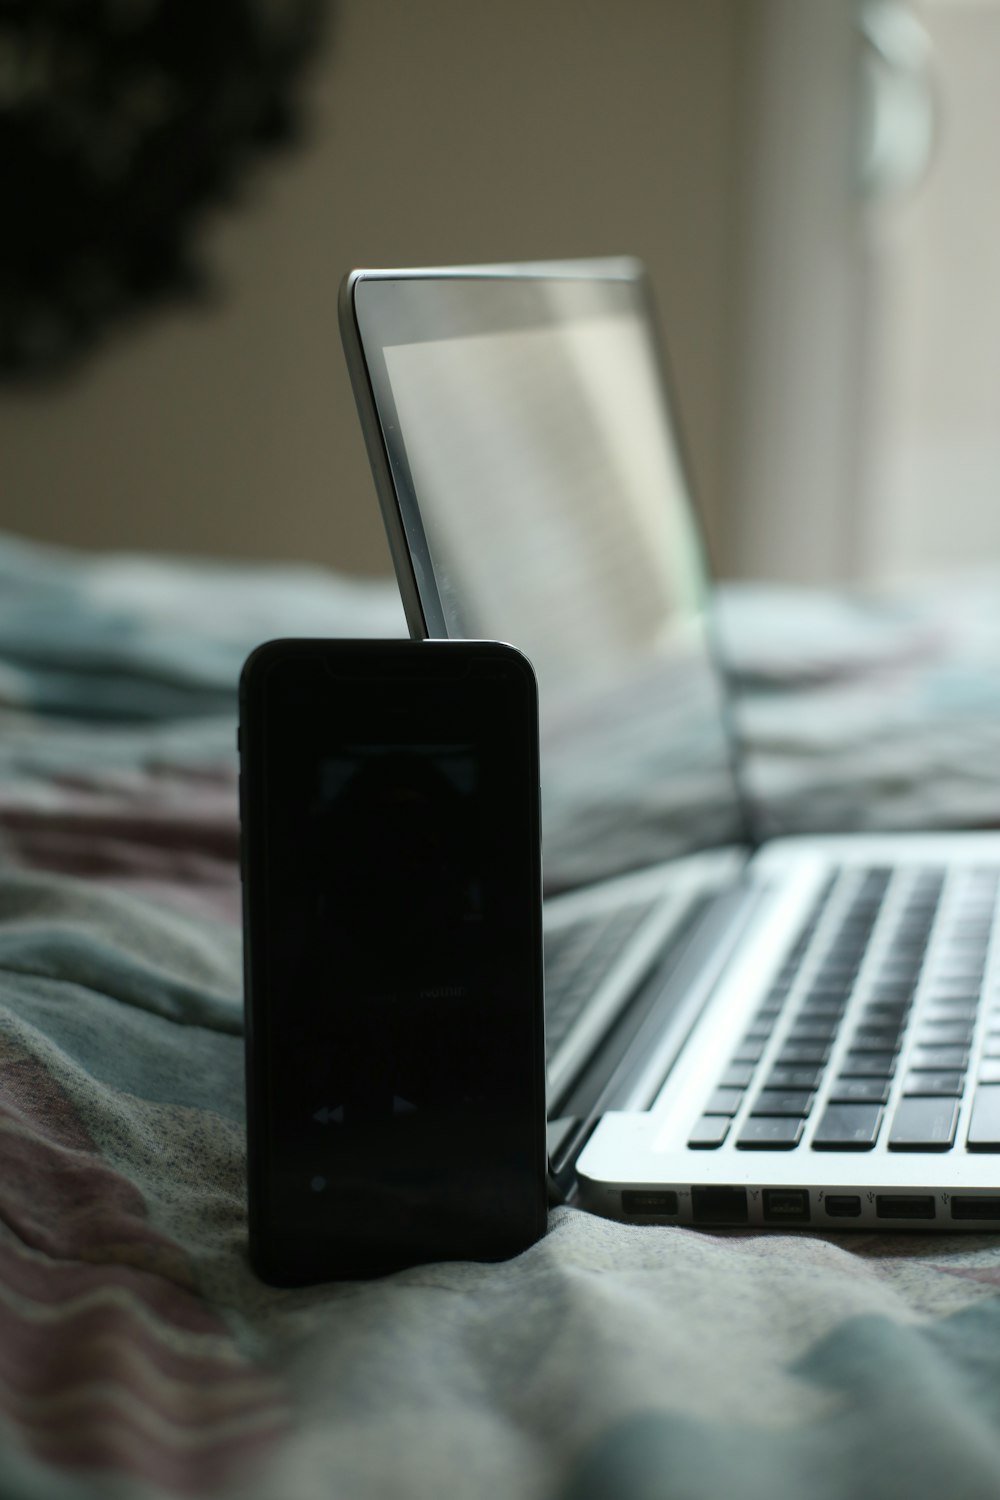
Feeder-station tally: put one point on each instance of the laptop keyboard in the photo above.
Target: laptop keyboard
(577, 957)
(876, 1027)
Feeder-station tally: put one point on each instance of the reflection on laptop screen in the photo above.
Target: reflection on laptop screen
(541, 485)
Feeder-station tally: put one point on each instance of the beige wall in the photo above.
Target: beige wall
(444, 130)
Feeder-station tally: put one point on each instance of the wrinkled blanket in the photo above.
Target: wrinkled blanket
(139, 1355)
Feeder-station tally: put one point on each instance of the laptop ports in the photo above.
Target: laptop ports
(905, 1206)
(976, 1206)
(652, 1202)
(786, 1206)
(843, 1205)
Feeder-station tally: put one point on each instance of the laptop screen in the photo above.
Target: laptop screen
(543, 501)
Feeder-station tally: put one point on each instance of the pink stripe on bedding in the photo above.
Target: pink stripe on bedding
(110, 1359)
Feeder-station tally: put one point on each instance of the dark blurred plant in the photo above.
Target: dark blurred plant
(120, 121)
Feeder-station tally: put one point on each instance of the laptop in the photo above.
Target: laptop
(741, 1031)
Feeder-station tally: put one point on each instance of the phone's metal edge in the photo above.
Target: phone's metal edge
(254, 1095)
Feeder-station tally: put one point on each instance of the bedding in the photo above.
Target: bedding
(139, 1355)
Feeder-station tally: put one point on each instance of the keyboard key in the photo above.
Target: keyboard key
(891, 1025)
(766, 1133)
(984, 1127)
(796, 1102)
(793, 1078)
(959, 971)
(736, 1076)
(859, 1091)
(848, 1127)
(751, 1050)
(951, 1085)
(879, 1014)
(908, 942)
(709, 1132)
(923, 1125)
(957, 995)
(823, 1007)
(794, 1053)
(897, 996)
(812, 1029)
(868, 1065)
(876, 1039)
(989, 1070)
(836, 970)
(944, 1034)
(940, 1009)
(724, 1102)
(899, 977)
(760, 1027)
(907, 946)
(827, 993)
(939, 1059)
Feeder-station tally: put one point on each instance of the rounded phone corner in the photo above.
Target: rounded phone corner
(252, 664)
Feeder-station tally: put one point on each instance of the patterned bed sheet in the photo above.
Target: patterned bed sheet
(139, 1355)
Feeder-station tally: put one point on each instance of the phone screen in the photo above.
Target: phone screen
(396, 1078)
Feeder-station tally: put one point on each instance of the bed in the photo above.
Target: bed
(139, 1355)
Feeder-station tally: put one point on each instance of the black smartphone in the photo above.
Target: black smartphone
(395, 1049)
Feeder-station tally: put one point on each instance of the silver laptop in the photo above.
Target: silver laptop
(787, 1032)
